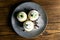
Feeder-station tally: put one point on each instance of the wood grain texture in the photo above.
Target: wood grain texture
(52, 31)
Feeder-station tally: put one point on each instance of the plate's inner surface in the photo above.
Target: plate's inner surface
(41, 22)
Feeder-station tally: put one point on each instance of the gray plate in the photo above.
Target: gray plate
(42, 21)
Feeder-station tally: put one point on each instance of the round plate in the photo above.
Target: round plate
(42, 21)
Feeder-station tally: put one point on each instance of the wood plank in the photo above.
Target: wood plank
(13, 37)
(50, 7)
(4, 16)
(4, 3)
(51, 28)
(52, 31)
(6, 30)
(55, 36)
(47, 2)
(7, 3)
(53, 13)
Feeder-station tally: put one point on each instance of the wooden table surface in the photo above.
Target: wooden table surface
(52, 8)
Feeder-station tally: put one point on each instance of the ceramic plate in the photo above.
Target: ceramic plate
(42, 21)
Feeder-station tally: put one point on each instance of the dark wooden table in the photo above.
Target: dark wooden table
(52, 8)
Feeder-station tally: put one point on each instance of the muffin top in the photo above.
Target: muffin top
(28, 25)
(33, 15)
(22, 16)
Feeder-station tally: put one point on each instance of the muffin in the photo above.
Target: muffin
(22, 16)
(28, 26)
(33, 15)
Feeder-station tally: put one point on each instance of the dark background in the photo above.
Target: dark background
(52, 8)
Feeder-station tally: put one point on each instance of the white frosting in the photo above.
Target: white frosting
(29, 27)
(36, 13)
(24, 16)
